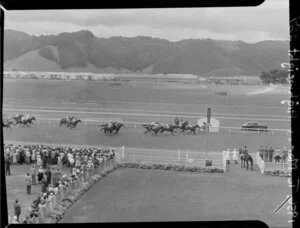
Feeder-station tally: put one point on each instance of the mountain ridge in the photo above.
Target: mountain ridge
(82, 49)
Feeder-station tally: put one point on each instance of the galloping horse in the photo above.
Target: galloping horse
(7, 123)
(182, 125)
(170, 128)
(192, 128)
(148, 127)
(70, 122)
(116, 127)
(111, 128)
(27, 120)
(17, 118)
(74, 123)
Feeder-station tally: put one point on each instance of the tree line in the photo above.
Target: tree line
(275, 76)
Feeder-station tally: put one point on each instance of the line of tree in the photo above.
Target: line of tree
(276, 76)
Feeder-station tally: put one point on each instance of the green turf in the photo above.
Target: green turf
(128, 195)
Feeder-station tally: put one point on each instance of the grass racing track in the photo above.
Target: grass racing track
(54, 99)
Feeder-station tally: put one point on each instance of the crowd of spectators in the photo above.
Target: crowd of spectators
(269, 154)
(47, 161)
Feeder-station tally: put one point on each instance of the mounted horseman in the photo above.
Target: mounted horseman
(245, 158)
(7, 123)
(17, 118)
(28, 120)
(192, 128)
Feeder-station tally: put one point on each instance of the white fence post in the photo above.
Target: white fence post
(49, 123)
(178, 154)
(123, 151)
(187, 155)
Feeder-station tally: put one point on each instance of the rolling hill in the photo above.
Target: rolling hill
(82, 51)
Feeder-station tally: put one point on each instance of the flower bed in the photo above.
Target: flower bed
(277, 172)
(174, 167)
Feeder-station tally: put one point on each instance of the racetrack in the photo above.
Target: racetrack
(142, 103)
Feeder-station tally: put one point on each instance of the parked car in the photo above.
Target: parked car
(254, 126)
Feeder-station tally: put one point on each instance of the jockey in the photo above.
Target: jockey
(176, 120)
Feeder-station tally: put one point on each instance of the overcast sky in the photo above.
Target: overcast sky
(268, 21)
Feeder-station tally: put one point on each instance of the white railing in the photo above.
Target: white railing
(86, 122)
(224, 161)
(260, 163)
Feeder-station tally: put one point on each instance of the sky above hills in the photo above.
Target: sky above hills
(268, 21)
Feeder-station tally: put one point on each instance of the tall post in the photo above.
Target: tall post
(187, 155)
(178, 154)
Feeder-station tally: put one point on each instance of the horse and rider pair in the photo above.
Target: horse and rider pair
(112, 127)
(245, 158)
(69, 121)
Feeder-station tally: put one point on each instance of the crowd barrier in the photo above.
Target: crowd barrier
(53, 201)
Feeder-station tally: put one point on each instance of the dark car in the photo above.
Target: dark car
(254, 126)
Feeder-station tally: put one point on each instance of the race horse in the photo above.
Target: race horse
(169, 128)
(111, 128)
(7, 123)
(181, 124)
(245, 159)
(27, 120)
(17, 118)
(191, 128)
(69, 121)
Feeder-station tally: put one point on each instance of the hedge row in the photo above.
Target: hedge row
(174, 167)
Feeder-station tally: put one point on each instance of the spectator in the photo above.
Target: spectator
(33, 174)
(33, 156)
(266, 157)
(40, 174)
(44, 184)
(284, 154)
(48, 175)
(271, 152)
(15, 158)
(7, 166)
(28, 184)
(277, 154)
(235, 156)
(27, 157)
(17, 210)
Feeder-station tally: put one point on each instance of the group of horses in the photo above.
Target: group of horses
(112, 127)
(183, 125)
(20, 119)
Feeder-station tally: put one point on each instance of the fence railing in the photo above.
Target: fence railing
(239, 130)
(260, 163)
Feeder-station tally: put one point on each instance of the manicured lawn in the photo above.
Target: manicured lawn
(129, 195)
